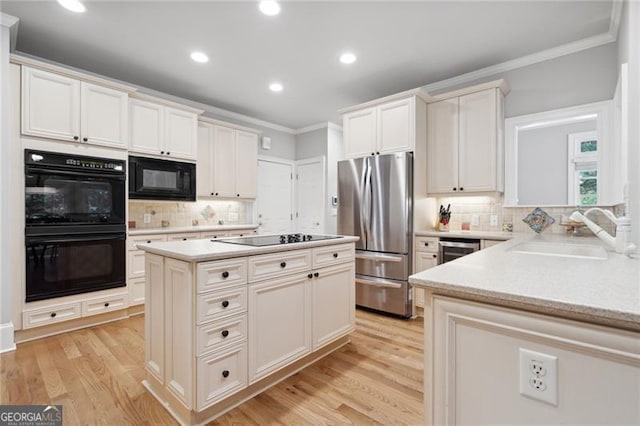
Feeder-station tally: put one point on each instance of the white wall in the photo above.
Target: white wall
(311, 144)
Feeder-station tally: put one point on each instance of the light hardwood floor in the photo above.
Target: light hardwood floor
(95, 373)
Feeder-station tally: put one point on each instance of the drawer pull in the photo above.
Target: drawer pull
(335, 255)
(316, 274)
(225, 333)
(225, 274)
(148, 241)
(435, 255)
(426, 244)
(283, 264)
(225, 373)
(53, 314)
(310, 276)
(106, 304)
(225, 303)
(184, 239)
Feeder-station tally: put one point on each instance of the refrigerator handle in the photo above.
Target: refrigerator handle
(366, 199)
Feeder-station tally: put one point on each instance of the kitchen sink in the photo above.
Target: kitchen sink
(579, 251)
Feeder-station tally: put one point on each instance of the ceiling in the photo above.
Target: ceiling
(399, 45)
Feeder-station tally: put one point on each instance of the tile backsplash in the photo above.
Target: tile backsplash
(464, 209)
(178, 213)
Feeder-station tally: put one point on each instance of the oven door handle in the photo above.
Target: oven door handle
(87, 174)
(49, 240)
(474, 246)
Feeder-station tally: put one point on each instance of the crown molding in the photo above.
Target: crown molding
(8, 20)
(244, 118)
(165, 102)
(417, 92)
(534, 58)
(12, 23)
(213, 121)
(334, 126)
(616, 16)
(311, 128)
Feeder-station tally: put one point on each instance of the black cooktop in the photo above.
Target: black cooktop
(275, 240)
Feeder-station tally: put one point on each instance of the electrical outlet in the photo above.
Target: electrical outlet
(539, 376)
(475, 220)
(493, 220)
(233, 217)
(147, 218)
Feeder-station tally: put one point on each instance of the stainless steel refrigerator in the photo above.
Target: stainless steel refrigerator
(375, 203)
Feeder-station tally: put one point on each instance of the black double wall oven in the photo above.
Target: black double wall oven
(75, 224)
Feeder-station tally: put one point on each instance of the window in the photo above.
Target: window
(583, 168)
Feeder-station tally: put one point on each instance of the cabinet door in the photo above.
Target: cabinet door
(224, 161)
(204, 172)
(146, 127)
(181, 133)
(442, 146)
(154, 316)
(423, 261)
(396, 126)
(136, 291)
(360, 133)
(50, 105)
(104, 115)
(333, 303)
(246, 164)
(478, 143)
(279, 323)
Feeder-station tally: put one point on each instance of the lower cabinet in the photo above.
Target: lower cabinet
(425, 257)
(333, 301)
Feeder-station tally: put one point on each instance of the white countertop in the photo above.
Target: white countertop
(205, 250)
(600, 291)
(480, 235)
(196, 228)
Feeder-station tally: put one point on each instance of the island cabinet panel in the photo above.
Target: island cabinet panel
(279, 264)
(154, 316)
(221, 333)
(221, 274)
(218, 304)
(333, 255)
(333, 301)
(279, 323)
(221, 374)
(474, 370)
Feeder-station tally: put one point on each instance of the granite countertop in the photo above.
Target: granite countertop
(605, 292)
(205, 250)
(480, 235)
(196, 228)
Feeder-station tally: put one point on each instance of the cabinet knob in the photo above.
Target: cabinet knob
(455, 189)
(335, 255)
(161, 152)
(435, 255)
(373, 153)
(75, 138)
(426, 244)
(225, 274)
(106, 305)
(85, 139)
(378, 152)
(316, 274)
(225, 373)
(225, 303)
(148, 241)
(184, 239)
(283, 264)
(225, 333)
(53, 314)
(237, 195)
(310, 276)
(168, 153)
(461, 189)
(216, 193)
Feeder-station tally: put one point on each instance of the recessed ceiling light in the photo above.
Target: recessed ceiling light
(199, 57)
(348, 58)
(269, 7)
(275, 87)
(73, 5)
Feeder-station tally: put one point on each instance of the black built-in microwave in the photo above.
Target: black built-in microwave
(154, 179)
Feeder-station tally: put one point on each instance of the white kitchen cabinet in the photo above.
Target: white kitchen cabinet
(279, 323)
(161, 130)
(64, 108)
(473, 371)
(154, 323)
(425, 257)
(465, 141)
(227, 163)
(384, 128)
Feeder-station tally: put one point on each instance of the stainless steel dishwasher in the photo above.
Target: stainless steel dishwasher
(453, 248)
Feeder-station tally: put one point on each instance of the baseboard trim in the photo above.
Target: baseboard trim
(7, 343)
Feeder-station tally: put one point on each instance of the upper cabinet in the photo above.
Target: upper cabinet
(158, 129)
(56, 106)
(383, 126)
(227, 161)
(465, 140)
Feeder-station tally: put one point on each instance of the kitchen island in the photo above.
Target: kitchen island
(517, 336)
(225, 321)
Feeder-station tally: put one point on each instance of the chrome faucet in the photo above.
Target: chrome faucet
(620, 243)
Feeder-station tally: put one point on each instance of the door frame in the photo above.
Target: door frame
(292, 192)
(323, 161)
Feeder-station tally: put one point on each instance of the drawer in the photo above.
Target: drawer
(184, 237)
(221, 274)
(101, 305)
(212, 235)
(135, 264)
(428, 244)
(219, 304)
(144, 239)
(278, 264)
(221, 333)
(136, 291)
(332, 255)
(51, 314)
(241, 232)
(220, 374)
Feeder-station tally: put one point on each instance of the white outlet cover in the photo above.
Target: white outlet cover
(493, 220)
(475, 220)
(548, 392)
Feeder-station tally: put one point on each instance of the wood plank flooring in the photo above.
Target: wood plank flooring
(95, 373)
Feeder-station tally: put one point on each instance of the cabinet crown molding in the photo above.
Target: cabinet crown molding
(418, 92)
(164, 102)
(89, 78)
(495, 84)
(212, 121)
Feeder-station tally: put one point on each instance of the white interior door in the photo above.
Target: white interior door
(275, 196)
(310, 195)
